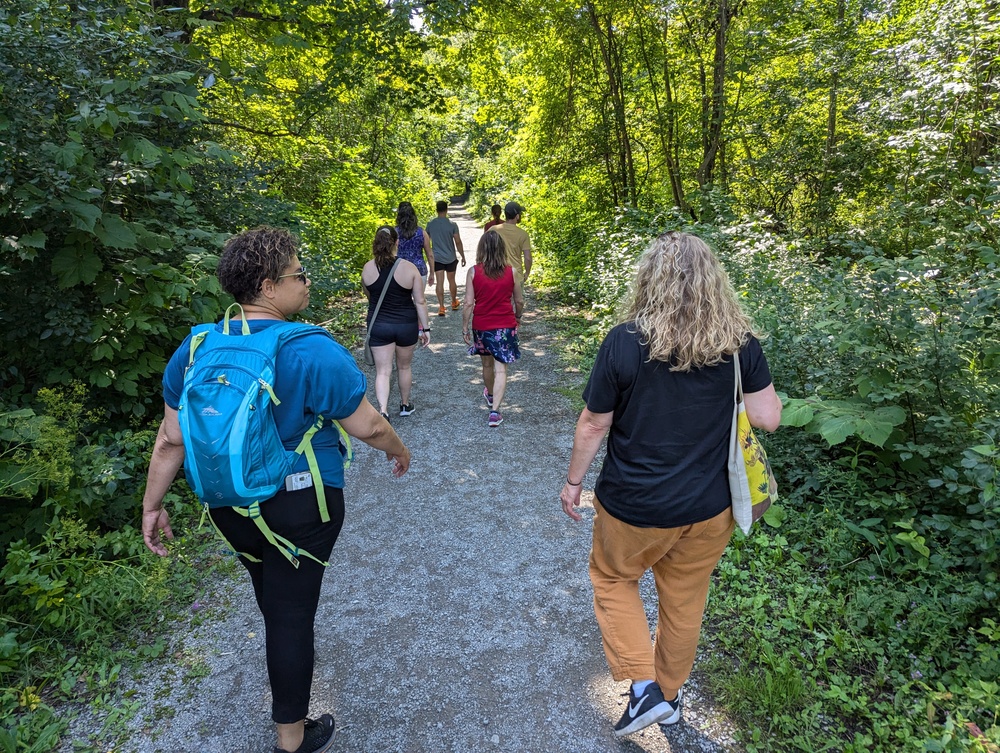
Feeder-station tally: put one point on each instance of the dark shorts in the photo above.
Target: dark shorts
(499, 343)
(440, 266)
(392, 333)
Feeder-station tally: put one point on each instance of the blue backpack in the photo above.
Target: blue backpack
(233, 455)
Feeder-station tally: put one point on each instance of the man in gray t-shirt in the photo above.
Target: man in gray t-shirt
(445, 239)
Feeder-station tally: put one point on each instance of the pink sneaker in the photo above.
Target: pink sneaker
(495, 418)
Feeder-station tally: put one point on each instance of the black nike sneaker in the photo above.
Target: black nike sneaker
(648, 708)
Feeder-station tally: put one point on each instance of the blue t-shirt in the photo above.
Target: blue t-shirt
(314, 376)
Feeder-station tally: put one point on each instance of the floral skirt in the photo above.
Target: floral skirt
(499, 343)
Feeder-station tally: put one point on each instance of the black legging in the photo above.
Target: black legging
(287, 597)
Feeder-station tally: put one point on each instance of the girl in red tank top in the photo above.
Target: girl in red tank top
(494, 303)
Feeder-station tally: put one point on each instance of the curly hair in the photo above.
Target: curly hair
(383, 245)
(406, 219)
(491, 253)
(253, 256)
(682, 303)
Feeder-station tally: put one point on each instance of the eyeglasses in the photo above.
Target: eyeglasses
(301, 274)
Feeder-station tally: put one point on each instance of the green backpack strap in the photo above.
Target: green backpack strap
(305, 446)
(286, 547)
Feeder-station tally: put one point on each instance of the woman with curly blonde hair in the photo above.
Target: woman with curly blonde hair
(662, 389)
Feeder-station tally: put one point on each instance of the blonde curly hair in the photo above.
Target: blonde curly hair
(682, 303)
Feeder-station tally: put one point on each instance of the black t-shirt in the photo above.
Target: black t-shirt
(669, 439)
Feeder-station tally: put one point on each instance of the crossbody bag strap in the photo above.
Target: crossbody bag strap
(385, 289)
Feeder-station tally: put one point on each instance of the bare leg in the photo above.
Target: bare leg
(488, 372)
(439, 289)
(290, 735)
(453, 286)
(499, 384)
(404, 374)
(383, 373)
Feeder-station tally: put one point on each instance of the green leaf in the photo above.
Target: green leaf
(796, 413)
(868, 535)
(84, 215)
(114, 232)
(75, 265)
(34, 239)
(774, 516)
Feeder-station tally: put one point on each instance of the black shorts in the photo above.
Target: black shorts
(450, 266)
(403, 334)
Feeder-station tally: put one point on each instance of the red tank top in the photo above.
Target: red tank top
(494, 309)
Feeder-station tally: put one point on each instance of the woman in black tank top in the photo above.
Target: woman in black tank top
(401, 320)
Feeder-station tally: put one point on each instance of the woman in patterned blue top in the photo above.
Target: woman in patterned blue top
(414, 245)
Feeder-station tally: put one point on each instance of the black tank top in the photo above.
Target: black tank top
(397, 308)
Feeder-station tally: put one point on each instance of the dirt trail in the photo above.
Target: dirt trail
(456, 614)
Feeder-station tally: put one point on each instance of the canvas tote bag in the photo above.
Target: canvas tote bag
(751, 482)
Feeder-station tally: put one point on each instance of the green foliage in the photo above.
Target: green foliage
(59, 598)
(60, 463)
(105, 243)
(844, 651)
(863, 624)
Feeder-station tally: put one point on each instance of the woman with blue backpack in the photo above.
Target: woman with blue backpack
(260, 411)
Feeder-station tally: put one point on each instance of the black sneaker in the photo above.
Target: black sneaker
(318, 736)
(675, 711)
(385, 416)
(406, 409)
(648, 708)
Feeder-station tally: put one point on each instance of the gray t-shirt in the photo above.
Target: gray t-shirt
(442, 234)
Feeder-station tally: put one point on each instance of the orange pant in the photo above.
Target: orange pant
(682, 560)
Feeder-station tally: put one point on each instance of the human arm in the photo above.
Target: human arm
(590, 430)
(518, 301)
(368, 269)
(367, 425)
(430, 258)
(468, 305)
(459, 247)
(763, 408)
(527, 260)
(420, 303)
(166, 460)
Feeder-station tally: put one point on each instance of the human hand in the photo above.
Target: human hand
(154, 521)
(424, 337)
(570, 498)
(400, 463)
(467, 336)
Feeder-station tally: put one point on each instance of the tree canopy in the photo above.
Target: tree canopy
(842, 157)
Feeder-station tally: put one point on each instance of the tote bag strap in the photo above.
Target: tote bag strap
(381, 298)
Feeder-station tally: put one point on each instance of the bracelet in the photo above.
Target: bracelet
(571, 483)
(419, 330)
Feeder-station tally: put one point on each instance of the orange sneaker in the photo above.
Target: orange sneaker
(441, 311)
(456, 305)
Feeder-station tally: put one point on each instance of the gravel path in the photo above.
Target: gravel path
(456, 614)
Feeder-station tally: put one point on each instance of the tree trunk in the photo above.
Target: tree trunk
(712, 141)
(611, 56)
(666, 117)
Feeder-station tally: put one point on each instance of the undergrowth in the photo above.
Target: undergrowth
(863, 615)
